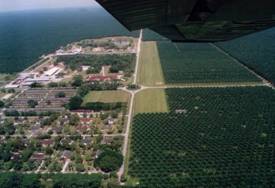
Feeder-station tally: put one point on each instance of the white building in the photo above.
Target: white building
(51, 72)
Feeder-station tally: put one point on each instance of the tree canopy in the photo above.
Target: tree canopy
(109, 161)
(75, 103)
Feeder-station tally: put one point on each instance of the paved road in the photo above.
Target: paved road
(130, 114)
(67, 162)
(138, 57)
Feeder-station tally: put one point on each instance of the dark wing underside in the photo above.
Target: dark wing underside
(194, 20)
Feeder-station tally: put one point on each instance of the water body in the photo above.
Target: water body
(25, 36)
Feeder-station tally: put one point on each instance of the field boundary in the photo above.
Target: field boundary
(264, 80)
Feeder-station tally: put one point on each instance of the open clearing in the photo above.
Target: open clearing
(150, 71)
(150, 100)
(106, 97)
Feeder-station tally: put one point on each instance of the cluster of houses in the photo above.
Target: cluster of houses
(105, 76)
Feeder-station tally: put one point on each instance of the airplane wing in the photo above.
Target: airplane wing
(194, 20)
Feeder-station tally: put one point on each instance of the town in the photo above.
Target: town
(66, 112)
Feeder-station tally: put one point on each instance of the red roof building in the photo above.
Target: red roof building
(86, 120)
(83, 128)
(38, 156)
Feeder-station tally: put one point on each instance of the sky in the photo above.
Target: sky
(18, 5)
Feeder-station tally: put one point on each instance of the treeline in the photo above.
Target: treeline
(99, 106)
(76, 102)
(16, 180)
(108, 44)
(15, 113)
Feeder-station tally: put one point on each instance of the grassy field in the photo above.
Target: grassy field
(150, 72)
(151, 100)
(106, 97)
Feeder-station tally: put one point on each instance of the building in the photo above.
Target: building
(100, 78)
(53, 71)
(38, 156)
(66, 155)
(86, 121)
(47, 143)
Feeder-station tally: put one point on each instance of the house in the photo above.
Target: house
(36, 130)
(86, 121)
(111, 121)
(85, 68)
(15, 156)
(100, 78)
(47, 143)
(66, 155)
(83, 128)
(82, 113)
(87, 140)
(107, 140)
(66, 140)
(38, 156)
(57, 130)
(98, 152)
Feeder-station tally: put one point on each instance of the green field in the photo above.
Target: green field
(200, 63)
(150, 72)
(150, 101)
(256, 51)
(221, 137)
(106, 97)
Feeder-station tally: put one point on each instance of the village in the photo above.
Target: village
(59, 115)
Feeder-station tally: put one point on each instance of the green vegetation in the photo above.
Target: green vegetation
(200, 63)
(58, 85)
(77, 81)
(99, 106)
(117, 62)
(150, 101)
(8, 180)
(7, 128)
(106, 97)
(32, 103)
(133, 87)
(2, 104)
(256, 51)
(106, 43)
(150, 72)
(75, 103)
(109, 161)
(220, 137)
(60, 94)
(36, 85)
(28, 113)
